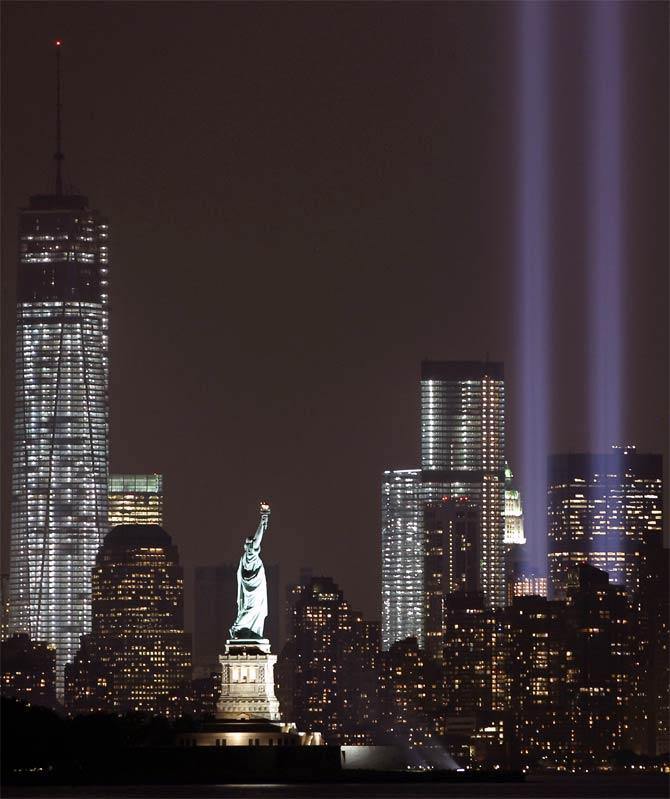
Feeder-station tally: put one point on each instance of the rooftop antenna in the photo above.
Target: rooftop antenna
(59, 152)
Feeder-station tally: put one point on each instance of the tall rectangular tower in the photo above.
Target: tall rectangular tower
(463, 451)
(403, 549)
(452, 563)
(60, 462)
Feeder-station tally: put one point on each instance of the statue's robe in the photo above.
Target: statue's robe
(252, 597)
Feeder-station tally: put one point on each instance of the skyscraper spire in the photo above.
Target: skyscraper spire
(59, 153)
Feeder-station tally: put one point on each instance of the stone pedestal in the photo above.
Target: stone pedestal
(247, 681)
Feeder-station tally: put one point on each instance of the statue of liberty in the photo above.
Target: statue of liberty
(252, 592)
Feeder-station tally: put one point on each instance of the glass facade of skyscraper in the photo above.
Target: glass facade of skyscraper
(403, 551)
(606, 510)
(135, 499)
(60, 465)
(463, 451)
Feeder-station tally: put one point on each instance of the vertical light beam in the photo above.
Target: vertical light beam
(605, 228)
(533, 343)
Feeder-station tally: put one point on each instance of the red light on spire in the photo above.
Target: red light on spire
(58, 42)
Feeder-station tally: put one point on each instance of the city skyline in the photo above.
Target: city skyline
(182, 361)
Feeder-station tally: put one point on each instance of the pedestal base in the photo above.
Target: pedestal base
(248, 733)
(238, 645)
(247, 681)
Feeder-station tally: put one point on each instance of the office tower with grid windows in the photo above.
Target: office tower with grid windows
(410, 691)
(474, 678)
(607, 510)
(452, 562)
(463, 451)
(601, 669)
(137, 649)
(135, 499)
(328, 670)
(403, 550)
(538, 662)
(60, 463)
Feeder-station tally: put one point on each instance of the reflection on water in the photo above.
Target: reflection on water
(547, 787)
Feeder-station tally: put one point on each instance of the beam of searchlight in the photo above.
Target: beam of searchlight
(533, 231)
(605, 258)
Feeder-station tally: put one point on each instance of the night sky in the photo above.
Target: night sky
(306, 200)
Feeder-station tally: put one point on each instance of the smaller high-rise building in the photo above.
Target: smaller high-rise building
(327, 672)
(603, 509)
(137, 656)
(28, 671)
(538, 660)
(410, 692)
(474, 675)
(135, 499)
(364, 670)
(452, 562)
(601, 670)
(654, 605)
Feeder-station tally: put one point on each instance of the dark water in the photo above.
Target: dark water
(546, 787)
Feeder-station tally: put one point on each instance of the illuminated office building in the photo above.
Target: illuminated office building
(410, 687)
(135, 499)
(137, 645)
(605, 510)
(452, 561)
(463, 451)
(60, 460)
(403, 553)
(527, 585)
(474, 675)
(653, 645)
(328, 670)
(601, 670)
(538, 662)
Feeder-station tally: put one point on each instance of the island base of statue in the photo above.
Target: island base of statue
(247, 681)
(247, 713)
